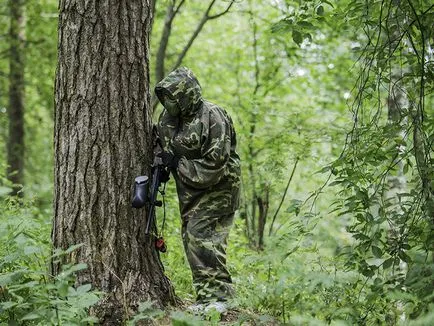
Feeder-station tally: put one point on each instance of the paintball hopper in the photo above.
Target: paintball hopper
(140, 197)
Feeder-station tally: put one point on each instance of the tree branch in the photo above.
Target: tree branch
(198, 29)
(160, 70)
(283, 197)
(161, 54)
(171, 12)
(222, 13)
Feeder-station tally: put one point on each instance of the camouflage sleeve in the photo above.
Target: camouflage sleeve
(167, 127)
(215, 151)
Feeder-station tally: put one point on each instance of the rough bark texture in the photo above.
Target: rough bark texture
(102, 141)
(15, 145)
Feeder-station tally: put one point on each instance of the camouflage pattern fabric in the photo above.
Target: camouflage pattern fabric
(207, 178)
(205, 241)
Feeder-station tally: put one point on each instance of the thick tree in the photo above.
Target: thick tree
(102, 141)
(15, 145)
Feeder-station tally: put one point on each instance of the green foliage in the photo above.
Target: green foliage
(358, 251)
(300, 275)
(287, 104)
(184, 319)
(303, 18)
(28, 294)
(385, 169)
(147, 312)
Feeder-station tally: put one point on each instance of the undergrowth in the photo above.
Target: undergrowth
(29, 295)
(301, 277)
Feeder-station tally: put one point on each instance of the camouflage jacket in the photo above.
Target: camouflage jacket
(203, 136)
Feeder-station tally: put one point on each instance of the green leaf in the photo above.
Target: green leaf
(12, 322)
(378, 281)
(368, 272)
(376, 251)
(9, 278)
(73, 248)
(8, 305)
(59, 252)
(87, 300)
(406, 258)
(183, 319)
(29, 250)
(297, 37)
(324, 169)
(284, 25)
(30, 316)
(5, 191)
(388, 263)
(328, 2)
(294, 206)
(374, 262)
(90, 320)
(306, 25)
(320, 10)
(405, 169)
(72, 292)
(335, 183)
(63, 289)
(289, 253)
(83, 289)
(73, 269)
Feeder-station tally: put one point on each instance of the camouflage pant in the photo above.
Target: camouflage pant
(205, 242)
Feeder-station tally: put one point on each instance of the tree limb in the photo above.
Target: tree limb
(198, 29)
(222, 13)
(161, 54)
(283, 197)
(171, 12)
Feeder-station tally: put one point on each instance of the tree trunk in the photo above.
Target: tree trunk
(15, 145)
(263, 203)
(102, 133)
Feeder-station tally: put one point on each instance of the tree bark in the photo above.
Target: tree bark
(15, 145)
(263, 204)
(102, 133)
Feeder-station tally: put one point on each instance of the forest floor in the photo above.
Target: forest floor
(244, 317)
(231, 317)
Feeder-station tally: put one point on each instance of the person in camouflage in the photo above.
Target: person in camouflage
(198, 140)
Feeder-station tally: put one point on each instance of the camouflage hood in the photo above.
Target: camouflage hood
(183, 85)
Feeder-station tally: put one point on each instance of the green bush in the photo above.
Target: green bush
(29, 295)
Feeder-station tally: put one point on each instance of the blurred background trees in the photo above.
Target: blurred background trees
(333, 107)
(15, 143)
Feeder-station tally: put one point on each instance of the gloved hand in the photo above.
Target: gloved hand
(169, 160)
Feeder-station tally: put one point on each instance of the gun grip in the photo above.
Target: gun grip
(140, 191)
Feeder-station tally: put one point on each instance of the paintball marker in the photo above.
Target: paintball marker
(146, 192)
